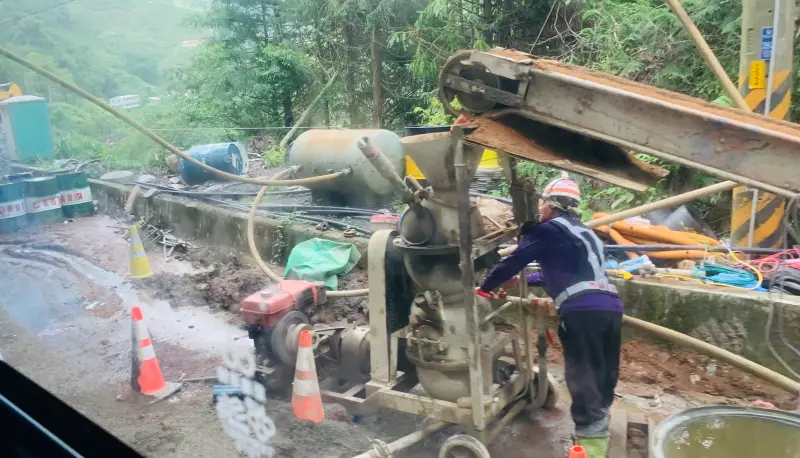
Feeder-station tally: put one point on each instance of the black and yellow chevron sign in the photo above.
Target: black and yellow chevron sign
(781, 95)
(769, 231)
(768, 228)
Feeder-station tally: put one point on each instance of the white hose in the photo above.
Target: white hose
(251, 242)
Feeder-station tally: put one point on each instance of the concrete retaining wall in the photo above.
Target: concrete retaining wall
(730, 319)
(215, 225)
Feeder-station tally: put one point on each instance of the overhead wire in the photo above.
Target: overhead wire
(34, 13)
(153, 136)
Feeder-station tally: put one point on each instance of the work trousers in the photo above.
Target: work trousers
(591, 341)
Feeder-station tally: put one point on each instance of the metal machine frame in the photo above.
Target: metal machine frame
(491, 406)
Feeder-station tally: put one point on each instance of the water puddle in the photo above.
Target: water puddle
(733, 437)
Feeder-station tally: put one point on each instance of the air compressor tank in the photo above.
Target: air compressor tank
(319, 151)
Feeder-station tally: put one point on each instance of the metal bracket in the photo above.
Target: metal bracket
(489, 93)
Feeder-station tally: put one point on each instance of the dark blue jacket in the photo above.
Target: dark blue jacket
(560, 261)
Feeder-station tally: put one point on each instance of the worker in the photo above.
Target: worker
(590, 313)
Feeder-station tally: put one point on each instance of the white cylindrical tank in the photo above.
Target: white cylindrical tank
(319, 151)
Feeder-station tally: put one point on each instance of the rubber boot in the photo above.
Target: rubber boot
(596, 447)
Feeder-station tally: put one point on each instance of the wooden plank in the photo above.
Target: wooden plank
(618, 434)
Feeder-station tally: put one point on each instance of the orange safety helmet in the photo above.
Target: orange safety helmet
(562, 189)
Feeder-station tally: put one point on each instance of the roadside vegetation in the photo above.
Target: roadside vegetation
(261, 62)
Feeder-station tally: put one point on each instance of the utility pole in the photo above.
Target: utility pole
(765, 82)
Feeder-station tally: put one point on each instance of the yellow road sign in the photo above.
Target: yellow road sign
(757, 74)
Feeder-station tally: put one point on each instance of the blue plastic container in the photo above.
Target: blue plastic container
(227, 157)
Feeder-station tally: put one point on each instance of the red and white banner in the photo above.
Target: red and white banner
(12, 209)
(76, 196)
(42, 204)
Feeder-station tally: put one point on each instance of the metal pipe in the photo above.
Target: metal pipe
(385, 168)
(468, 283)
(646, 208)
(307, 112)
(708, 54)
(494, 234)
(753, 207)
(405, 441)
(710, 249)
(496, 312)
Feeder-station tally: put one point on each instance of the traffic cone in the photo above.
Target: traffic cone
(577, 452)
(140, 267)
(306, 400)
(148, 376)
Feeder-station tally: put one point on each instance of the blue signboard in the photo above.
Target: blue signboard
(766, 43)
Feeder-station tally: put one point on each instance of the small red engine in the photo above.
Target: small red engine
(264, 308)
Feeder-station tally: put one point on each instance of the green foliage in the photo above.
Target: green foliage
(244, 89)
(108, 47)
(433, 114)
(644, 41)
(274, 157)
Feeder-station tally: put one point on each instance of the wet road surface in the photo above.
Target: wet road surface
(65, 323)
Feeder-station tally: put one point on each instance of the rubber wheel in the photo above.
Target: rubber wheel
(463, 446)
(280, 380)
(278, 337)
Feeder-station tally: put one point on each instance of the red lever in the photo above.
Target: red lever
(549, 334)
(484, 294)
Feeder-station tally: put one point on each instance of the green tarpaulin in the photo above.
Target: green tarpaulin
(321, 260)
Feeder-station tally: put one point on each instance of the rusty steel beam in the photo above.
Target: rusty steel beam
(726, 142)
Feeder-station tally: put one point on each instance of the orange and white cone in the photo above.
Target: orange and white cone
(577, 452)
(148, 377)
(306, 399)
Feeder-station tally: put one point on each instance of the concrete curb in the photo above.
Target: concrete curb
(212, 224)
(731, 319)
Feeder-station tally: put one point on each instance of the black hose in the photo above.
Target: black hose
(712, 249)
(169, 190)
(504, 200)
(282, 207)
(325, 209)
(329, 222)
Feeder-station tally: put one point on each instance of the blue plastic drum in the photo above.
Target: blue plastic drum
(227, 157)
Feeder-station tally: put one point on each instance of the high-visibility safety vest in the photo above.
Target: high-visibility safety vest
(591, 275)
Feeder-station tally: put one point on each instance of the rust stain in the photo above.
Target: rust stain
(668, 96)
(511, 54)
(625, 170)
(650, 91)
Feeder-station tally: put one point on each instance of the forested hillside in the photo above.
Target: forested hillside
(263, 61)
(109, 47)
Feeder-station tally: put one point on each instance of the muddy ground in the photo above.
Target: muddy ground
(64, 322)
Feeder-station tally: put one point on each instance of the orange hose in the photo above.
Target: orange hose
(705, 240)
(681, 254)
(665, 236)
(617, 238)
(642, 241)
